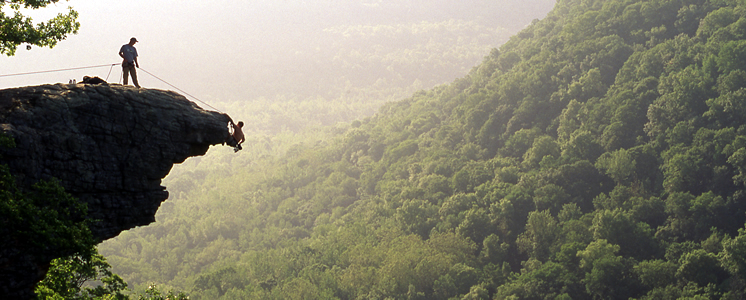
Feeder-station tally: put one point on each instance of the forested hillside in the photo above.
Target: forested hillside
(599, 154)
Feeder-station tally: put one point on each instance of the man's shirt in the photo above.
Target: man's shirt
(129, 52)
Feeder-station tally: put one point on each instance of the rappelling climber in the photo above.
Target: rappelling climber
(236, 137)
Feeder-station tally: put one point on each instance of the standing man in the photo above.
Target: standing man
(129, 54)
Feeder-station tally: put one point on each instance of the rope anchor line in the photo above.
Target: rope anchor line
(180, 90)
(107, 78)
(59, 70)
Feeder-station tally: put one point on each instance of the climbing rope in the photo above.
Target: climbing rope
(58, 70)
(107, 75)
(180, 90)
(107, 78)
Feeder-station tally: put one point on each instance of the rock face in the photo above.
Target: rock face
(109, 146)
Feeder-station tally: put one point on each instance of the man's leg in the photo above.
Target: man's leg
(134, 77)
(126, 72)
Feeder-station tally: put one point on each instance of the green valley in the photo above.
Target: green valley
(598, 154)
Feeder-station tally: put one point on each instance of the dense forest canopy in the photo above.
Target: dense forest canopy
(598, 154)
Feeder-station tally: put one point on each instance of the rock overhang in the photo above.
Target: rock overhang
(107, 145)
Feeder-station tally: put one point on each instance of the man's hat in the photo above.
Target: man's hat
(133, 39)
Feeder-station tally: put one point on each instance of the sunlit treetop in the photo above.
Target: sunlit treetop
(17, 28)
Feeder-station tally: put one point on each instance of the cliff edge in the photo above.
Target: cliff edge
(108, 145)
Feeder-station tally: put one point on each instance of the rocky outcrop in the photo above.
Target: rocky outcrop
(108, 145)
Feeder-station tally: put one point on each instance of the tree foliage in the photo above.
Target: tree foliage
(18, 29)
(68, 275)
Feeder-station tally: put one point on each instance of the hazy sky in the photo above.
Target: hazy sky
(210, 48)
